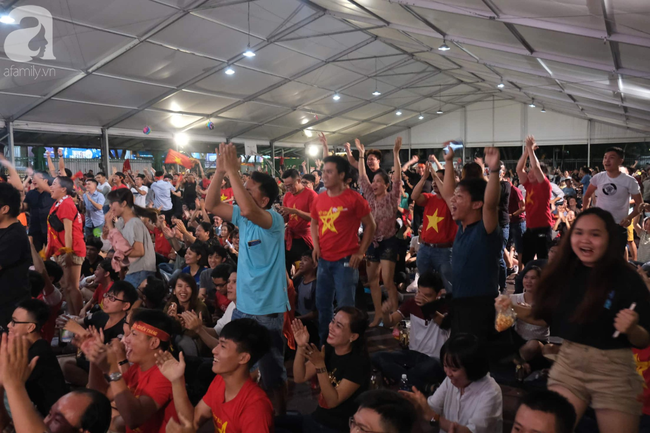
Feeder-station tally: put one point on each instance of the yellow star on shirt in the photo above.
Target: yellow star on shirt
(529, 198)
(328, 218)
(293, 216)
(223, 197)
(222, 429)
(434, 220)
(641, 367)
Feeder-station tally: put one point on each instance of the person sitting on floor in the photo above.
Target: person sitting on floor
(429, 331)
(469, 400)
(234, 401)
(385, 411)
(544, 412)
(305, 285)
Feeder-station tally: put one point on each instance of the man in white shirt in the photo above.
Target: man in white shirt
(140, 191)
(614, 190)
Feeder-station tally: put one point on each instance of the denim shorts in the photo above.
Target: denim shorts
(386, 250)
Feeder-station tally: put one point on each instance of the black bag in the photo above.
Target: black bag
(55, 223)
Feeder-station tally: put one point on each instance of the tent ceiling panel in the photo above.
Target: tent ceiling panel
(253, 112)
(71, 113)
(198, 35)
(12, 104)
(280, 61)
(158, 64)
(293, 94)
(330, 107)
(16, 81)
(192, 102)
(330, 76)
(262, 132)
(366, 112)
(400, 99)
(295, 119)
(365, 89)
(635, 57)
(423, 105)
(158, 121)
(243, 83)
(576, 13)
(326, 46)
(335, 124)
(392, 117)
(631, 17)
(105, 90)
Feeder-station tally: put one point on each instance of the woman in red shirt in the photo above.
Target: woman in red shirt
(65, 240)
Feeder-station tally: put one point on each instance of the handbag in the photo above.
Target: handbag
(55, 223)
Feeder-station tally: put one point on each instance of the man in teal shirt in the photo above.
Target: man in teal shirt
(261, 277)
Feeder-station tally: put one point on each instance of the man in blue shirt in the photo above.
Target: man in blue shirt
(94, 202)
(477, 248)
(585, 179)
(261, 276)
(163, 189)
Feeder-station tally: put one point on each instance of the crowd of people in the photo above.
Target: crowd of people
(187, 293)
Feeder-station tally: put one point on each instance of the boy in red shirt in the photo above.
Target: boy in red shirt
(234, 402)
(539, 220)
(296, 208)
(335, 218)
(142, 395)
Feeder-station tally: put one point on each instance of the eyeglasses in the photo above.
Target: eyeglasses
(16, 322)
(113, 298)
(220, 285)
(354, 427)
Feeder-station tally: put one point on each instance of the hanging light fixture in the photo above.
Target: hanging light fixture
(249, 53)
(336, 97)
(501, 85)
(230, 71)
(532, 103)
(398, 113)
(376, 92)
(421, 117)
(444, 46)
(543, 110)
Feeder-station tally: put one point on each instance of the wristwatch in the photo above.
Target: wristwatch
(113, 377)
(123, 362)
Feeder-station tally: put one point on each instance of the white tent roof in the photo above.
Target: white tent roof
(127, 64)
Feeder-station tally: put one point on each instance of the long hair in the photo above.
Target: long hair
(602, 279)
(122, 195)
(189, 280)
(358, 325)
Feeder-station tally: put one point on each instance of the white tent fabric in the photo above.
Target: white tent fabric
(127, 64)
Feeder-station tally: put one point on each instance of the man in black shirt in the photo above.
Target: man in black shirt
(15, 254)
(45, 384)
(39, 202)
(93, 259)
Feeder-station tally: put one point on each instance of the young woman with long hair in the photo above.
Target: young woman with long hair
(65, 240)
(593, 299)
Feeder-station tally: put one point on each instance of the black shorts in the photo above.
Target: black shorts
(387, 249)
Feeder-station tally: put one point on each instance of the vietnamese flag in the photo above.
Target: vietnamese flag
(126, 167)
(77, 175)
(174, 157)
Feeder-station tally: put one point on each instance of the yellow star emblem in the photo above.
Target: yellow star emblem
(222, 429)
(293, 216)
(328, 218)
(223, 197)
(641, 367)
(529, 198)
(434, 220)
(177, 160)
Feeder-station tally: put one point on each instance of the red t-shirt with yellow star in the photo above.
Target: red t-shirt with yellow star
(226, 194)
(339, 219)
(302, 201)
(642, 359)
(538, 202)
(438, 227)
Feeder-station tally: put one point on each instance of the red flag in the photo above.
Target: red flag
(174, 157)
(77, 175)
(126, 167)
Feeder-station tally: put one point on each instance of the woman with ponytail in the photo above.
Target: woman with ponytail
(65, 240)
(139, 253)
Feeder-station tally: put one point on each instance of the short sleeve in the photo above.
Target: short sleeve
(258, 416)
(310, 200)
(487, 414)
(213, 391)
(278, 221)
(365, 185)
(159, 389)
(363, 208)
(139, 232)
(66, 210)
(595, 181)
(236, 216)
(101, 199)
(634, 186)
(437, 400)
(406, 308)
(313, 211)
(356, 370)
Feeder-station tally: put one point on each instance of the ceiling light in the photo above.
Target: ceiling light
(376, 93)
(181, 139)
(501, 85)
(308, 133)
(421, 117)
(444, 46)
(336, 97)
(543, 110)
(398, 113)
(6, 19)
(304, 120)
(532, 104)
(249, 53)
(230, 71)
(312, 151)
(177, 121)
(439, 111)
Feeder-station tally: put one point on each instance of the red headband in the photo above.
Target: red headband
(150, 330)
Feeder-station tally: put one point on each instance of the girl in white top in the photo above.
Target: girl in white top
(469, 399)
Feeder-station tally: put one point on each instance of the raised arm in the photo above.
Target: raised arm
(14, 178)
(353, 162)
(416, 195)
(61, 163)
(449, 186)
(50, 164)
(535, 169)
(362, 152)
(492, 191)
(434, 160)
(213, 196)
(410, 162)
(323, 142)
(397, 174)
(521, 167)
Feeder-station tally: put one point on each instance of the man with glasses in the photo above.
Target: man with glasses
(45, 383)
(383, 411)
(308, 181)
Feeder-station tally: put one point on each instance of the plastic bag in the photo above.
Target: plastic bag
(505, 317)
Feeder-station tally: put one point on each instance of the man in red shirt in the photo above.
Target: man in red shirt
(517, 213)
(118, 181)
(438, 228)
(234, 402)
(142, 395)
(539, 220)
(296, 208)
(335, 219)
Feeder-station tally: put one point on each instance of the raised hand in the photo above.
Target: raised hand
(398, 144)
(360, 147)
(191, 320)
(300, 333)
(323, 142)
(315, 356)
(449, 156)
(15, 366)
(530, 143)
(172, 369)
(492, 159)
(221, 167)
(348, 149)
(172, 311)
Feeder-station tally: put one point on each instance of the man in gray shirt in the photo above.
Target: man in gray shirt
(139, 268)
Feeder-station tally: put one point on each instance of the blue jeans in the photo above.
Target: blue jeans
(271, 365)
(334, 277)
(136, 278)
(517, 230)
(438, 259)
(503, 270)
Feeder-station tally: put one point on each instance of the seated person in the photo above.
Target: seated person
(111, 319)
(381, 410)
(104, 278)
(210, 336)
(142, 395)
(469, 399)
(218, 278)
(234, 402)
(217, 255)
(92, 260)
(82, 410)
(152, 292)
(41, 287)
(552, 251)
(429, 331)
(546, 412)
(304, 283)
(195, 260)
(342, 367)
(185, 297)
(45, 384)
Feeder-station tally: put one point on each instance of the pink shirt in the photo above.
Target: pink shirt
(384, 210)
